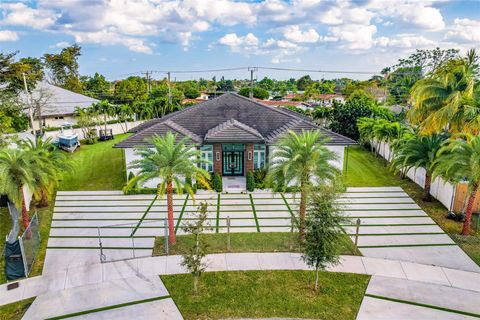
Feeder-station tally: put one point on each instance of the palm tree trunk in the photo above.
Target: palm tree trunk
(302, 211)
(25, 218)
(426, 192)
(171, 230)
(468, 216)
(44, 199)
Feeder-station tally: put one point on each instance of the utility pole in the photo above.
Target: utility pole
(149, 84)
(169, 90)
(29, 102)
(252, 70)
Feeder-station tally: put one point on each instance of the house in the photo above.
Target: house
(56, 105)
(235, 133)
(279, 103)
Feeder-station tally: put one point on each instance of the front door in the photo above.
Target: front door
(233, 163)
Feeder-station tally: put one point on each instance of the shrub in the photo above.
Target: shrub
(250, 181)
(217, 182)
(259, 176)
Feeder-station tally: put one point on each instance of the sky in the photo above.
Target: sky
(123, 37)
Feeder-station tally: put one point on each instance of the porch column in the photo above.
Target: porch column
(217, 158)
(249, 157)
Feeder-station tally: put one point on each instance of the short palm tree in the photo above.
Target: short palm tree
(444, 99)
(366, 128)
(302, 159)
(459, 161)
(49, 165)
(169, 161)
(419, 152)
(16, 171)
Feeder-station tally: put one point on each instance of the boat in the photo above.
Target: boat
(67, 139)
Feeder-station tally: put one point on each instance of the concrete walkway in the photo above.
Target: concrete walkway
(118, 284)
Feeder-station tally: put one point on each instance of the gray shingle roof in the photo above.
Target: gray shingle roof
(229, 114)
(58, 101)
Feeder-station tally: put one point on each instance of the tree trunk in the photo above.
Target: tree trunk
(171, 229)
(195, 283)
(316, 279)
(44, 199)
(426, 191)
(25, 218)
(302, 211)
(468, 216)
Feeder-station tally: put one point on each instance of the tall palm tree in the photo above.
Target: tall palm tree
(105, 109)
(459, 161)
(419, 152)
(444, 99)
(302, 159)
(168, 161)
(49, 165)
(16, 171)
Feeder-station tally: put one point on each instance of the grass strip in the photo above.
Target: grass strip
(465, 313)
(290, 210)
(103, 237)
(217, 224)
(397, 234)
(98, 248)
(254, 212)
(181, 214)
(116, 306)
(410, 245)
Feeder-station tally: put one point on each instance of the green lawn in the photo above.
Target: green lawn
(268, 294)
(15, 311)
(247, 242)
(365, 170)
(97, 167)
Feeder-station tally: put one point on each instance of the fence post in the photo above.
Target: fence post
(165, 229)
(228, 233)
(357, 229)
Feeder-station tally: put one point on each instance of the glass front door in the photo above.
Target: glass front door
(233, 163)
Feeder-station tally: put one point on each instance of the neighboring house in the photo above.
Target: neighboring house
(235, 133)
(326, 99)
(55, 105)
(299, 104)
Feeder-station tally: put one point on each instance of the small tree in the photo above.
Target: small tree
(217, 182)
(250, 181)
(323, 231)
(193, 257)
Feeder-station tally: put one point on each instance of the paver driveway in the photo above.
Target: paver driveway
(393, 226)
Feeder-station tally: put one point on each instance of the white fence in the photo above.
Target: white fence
(441, 190)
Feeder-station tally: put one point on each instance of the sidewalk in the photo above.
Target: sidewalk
(76, 283)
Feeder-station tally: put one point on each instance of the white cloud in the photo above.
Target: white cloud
(108, 38)
(354, 37)
(405, 41)
(295, 34)
(464, 30)
(233, 41)
(61, 44)
(8, 35)
(18, 14)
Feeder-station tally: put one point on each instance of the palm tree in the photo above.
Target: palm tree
(365, 127)
(49, 165)
(302, 159)
(16, 171)
(167, 161)
(105, 109)
(445, 99)
(459, 161)
(419, 152)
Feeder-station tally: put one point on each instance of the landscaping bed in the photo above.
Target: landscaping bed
(247, 242)
(268, 294)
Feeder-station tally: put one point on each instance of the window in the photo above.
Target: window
(207, 154)
(258, 156)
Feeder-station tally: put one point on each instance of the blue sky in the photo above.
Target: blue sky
(119, 37)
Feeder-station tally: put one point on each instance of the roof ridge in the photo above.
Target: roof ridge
(184, 131)
(232, 122)
(276, 109)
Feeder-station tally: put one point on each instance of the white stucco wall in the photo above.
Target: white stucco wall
(340, 152)
(131, 156)
(441, 190)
